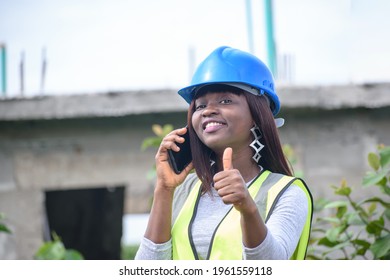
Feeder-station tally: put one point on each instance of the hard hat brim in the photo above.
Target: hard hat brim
(189, 93)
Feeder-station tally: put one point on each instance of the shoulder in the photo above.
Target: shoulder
(294, 194)
(283, 182)
(181, 194)
(185, 188)
(291, 197)
(286, 190)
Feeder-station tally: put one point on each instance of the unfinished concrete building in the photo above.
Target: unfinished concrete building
(74, 163)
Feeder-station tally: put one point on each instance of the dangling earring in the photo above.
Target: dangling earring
(212, 162)
(256, 145)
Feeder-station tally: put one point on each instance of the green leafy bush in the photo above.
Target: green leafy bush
(356, 229)
(3, 227)
(55, 250)
(129, 251)
(154, 142)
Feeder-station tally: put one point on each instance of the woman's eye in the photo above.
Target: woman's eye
(226, 101)
(199, 107)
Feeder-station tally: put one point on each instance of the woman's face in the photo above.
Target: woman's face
(223, 119)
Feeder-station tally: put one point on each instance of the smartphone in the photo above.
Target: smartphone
(179, 160)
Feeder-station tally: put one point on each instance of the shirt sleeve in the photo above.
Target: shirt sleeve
(284, 227)
(148, 250)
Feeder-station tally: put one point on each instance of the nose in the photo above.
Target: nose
(210, 109)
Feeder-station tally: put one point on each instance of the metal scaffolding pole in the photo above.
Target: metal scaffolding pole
(271, 49)
(3, 59)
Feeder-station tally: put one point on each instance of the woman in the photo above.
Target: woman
(241, 202)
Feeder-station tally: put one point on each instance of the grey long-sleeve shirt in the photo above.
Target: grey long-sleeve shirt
(284, 228)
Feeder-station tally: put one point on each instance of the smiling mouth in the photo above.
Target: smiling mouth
(211, 126)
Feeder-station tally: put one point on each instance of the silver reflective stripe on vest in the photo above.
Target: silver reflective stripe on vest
(262, 195)
(181, 194)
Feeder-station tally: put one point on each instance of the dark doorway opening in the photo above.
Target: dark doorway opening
(87, 220)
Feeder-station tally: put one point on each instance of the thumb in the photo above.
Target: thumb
(227, 159)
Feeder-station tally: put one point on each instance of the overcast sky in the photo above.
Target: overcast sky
(101, 45)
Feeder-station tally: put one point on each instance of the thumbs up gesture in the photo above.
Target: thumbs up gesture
(227, 159)
(229, 183)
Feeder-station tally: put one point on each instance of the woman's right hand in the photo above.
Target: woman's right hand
(166, 177)
(158, 229)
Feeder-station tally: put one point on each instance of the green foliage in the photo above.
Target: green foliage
(52, 250)
(160, 132)
(3, 227)
(129, 251)
(55, 250)
(154, 142)
(356, 229)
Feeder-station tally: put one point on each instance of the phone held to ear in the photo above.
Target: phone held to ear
(181, 159)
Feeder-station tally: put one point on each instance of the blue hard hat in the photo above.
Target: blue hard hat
(237, 68)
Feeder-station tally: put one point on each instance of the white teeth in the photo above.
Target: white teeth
(212, 124)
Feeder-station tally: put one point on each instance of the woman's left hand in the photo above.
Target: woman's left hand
(231, 186)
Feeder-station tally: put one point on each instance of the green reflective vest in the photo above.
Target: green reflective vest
(226, 243)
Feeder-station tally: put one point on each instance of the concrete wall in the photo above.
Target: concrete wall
(70, 154)
(332, 145)
(51, 153)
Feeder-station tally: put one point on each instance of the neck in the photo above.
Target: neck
(249, 173)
